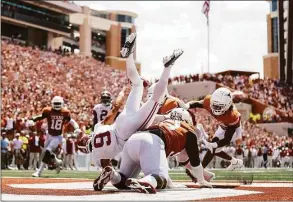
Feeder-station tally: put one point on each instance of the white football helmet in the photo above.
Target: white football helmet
(151, 92)
(181, 114)
(221, 101)
(57, 103)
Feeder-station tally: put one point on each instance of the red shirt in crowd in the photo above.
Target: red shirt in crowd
(34, 145)
(69, 146)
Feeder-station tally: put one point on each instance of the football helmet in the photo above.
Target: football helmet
(181, 114)
(106, 98)
(221, 101)
(57, 103)
(151, 92)
(84, 144)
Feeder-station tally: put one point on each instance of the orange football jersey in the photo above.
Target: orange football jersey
(56, 120)
(175, 133)
(229, 118)
(168, 105)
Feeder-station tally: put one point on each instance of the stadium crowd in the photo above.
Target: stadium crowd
(30, 77)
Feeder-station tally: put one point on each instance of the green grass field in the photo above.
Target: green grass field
(221, 174)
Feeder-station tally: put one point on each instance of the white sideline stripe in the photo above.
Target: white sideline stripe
(187, 194)
(289, 184)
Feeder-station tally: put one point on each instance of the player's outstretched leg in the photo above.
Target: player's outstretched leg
(161, 86)
(145, 115)
(135, 95)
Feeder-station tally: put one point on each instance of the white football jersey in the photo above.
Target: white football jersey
(102, 111)
(105, 143)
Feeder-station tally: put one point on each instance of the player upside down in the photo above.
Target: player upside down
(148, 151)
(108, 140)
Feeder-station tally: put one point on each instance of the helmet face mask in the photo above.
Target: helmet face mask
(57, 103)
(106, 98)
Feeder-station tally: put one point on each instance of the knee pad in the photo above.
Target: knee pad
(48, 157)
(161, 181)
(121, 184)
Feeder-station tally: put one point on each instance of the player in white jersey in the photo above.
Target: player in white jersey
(108, 140)
(100, 111)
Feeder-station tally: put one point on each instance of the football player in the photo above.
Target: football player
(149, 150)
(220, 105)
(108, 140)
(100, 111)
(56, 116)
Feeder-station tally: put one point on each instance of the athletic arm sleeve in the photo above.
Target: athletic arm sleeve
(195, 104)
(95, 119)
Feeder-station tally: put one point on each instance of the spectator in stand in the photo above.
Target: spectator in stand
(34, 151)
(24, 149)
(70, 153)
(276, 157)
(259, 157)
(265, 155)
(17, 147)
(4, 150)
(254, 162)
(270, 156)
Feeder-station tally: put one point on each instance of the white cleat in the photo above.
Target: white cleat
(141, 187)
(36, 174)
(208, 176)
(205, 184)
(128, 46)
(237, 165)
(170, 60)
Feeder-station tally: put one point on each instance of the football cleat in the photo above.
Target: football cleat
(103, 178)
(128, 46)
(36, 174)
(170, 60)
(237, 165)
(141, 187)
(208, 176)
(205, 184)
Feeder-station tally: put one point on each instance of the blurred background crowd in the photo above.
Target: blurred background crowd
(31, 76)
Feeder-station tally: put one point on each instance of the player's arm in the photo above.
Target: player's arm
(40, 116)
(229, 132)
(95, 119)
(117, 104)
(195, 104)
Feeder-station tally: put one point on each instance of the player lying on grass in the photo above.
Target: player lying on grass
(148, 151)
(108, 140)
(220, 106)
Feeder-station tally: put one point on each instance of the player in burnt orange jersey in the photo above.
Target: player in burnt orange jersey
(220, 106)
(148, 150)
(57, 116)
